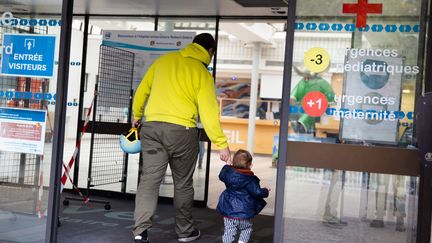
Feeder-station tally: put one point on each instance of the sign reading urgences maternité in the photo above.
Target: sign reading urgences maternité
(28, 55)
(371, 100)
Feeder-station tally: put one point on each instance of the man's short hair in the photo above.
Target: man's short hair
(205, 40)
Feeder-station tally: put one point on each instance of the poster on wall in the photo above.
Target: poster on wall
(147, 46)
(371, 97)
(22, 130)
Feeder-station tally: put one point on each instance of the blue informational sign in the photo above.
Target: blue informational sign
(28, 55)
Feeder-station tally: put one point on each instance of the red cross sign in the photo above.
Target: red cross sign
(362, 8)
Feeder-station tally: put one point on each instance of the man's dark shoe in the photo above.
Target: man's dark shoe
(191, 237)
(141, 238)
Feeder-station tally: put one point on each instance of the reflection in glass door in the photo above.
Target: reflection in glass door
(353, 83)
(28, 82)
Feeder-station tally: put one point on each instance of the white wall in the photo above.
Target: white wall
(74, 80)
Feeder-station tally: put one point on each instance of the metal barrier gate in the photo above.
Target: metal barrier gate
(111, 116)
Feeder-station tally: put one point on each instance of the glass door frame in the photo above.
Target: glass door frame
(60, 121)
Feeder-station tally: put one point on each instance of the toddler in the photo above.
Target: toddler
(242, 199)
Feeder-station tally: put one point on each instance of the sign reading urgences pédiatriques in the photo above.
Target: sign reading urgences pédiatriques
(28, 55)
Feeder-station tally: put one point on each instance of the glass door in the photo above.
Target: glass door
(352, 171)
(28, 81)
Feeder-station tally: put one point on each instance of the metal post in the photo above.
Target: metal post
(254, 95)
(279, 226)
(81, 97)
(126, 156)
(60, 120)
(92, 137)
(207, 173)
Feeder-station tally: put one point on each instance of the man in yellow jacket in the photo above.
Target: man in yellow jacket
(177, 88)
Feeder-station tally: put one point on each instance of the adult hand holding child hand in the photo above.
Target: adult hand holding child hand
(225, 155)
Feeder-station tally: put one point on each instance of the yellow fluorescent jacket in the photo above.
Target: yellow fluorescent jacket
(178, 87)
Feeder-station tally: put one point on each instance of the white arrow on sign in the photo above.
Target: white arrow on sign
(29, 43)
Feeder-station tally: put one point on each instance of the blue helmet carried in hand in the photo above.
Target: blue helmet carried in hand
(129, 141)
